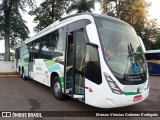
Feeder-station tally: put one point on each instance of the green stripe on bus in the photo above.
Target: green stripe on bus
(62, 83)
(26, 59)
(50, 63)
(26, 65)
(46, 60)
(132, 93)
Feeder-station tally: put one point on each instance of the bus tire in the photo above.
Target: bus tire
(57, 89)
(23, 75)
(19, 70)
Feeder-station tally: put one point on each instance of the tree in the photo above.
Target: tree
(135, 13)
(11, 22)
(154, 36)
(107, 6)
(156, 45)
(81, 6)
(48, 12)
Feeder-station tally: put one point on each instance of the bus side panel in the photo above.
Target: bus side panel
(43, 69)
(24, 60)
(56, 67)
(154, 67)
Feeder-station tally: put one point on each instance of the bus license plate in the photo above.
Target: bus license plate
(137, 98)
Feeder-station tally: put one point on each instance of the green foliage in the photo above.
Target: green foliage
(135, 13)
(18, 29)
(156, 44)
(12, 26)
(81, 6)
(48, 12)
(150, 35)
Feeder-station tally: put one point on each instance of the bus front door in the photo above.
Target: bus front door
(74, 77)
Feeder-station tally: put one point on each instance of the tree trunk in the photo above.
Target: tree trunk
(7, 12)
(7, 48)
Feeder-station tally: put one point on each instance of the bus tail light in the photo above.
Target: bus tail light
(113, 86)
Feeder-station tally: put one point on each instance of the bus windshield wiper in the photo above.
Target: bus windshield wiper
(131, 54)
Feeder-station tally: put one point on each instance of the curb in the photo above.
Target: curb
(3, 76)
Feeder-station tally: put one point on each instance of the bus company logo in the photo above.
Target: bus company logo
(138, 89)
(6, 114)
(21, 114)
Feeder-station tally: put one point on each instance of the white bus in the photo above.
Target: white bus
(93, 58)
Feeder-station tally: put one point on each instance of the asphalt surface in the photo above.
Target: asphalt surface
(19, 95)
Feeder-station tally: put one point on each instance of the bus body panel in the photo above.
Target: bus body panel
(153, 61)
(102, 96)
(43, 69)
(153, 67)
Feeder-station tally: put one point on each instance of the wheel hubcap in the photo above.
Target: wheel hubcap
(57, 88)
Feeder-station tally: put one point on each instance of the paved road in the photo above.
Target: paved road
(19, 95)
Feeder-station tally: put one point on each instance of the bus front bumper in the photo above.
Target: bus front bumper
(121, 100)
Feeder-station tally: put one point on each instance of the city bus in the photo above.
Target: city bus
(93, 58)
(153, 61)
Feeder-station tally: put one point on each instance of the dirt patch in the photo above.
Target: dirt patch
(34, 103)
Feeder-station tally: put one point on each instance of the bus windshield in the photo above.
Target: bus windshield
(122, 51)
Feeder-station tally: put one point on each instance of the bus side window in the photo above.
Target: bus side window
(92, 65)
(44, 48)
(30, 47)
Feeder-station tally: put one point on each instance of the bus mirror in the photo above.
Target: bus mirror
(92, 44)
(92, 35)
(142, 44)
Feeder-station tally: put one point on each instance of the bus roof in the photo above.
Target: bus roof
(69, 19)
(95, 15)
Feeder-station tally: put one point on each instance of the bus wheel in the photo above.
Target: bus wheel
(57, 89)
(23, 76)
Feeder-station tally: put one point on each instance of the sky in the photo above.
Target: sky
(153, 14)
(154, 10)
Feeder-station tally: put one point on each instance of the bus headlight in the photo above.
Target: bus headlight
(113, 86)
